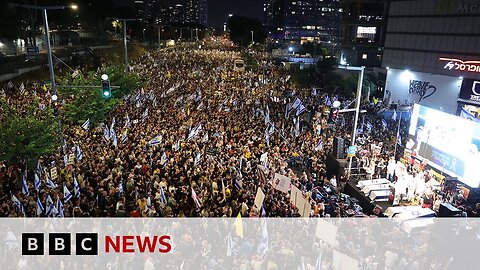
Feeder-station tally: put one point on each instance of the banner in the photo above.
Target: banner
(281, 183)
(259, 198)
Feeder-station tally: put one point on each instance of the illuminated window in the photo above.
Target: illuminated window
(364, 56)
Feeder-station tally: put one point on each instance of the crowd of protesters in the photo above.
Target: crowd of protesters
(197, 141)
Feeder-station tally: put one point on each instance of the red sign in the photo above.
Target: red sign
(457, 64)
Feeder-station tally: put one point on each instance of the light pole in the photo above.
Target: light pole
(253, 42)
(357, 107)
(47, 38)
(125, 38)
(159, 36)
(144, 35)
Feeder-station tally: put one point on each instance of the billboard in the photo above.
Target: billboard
(450, 143)
(435, 91)
(470, 92)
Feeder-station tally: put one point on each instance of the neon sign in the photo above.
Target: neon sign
(457, 64)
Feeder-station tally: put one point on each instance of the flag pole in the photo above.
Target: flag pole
(396, 138)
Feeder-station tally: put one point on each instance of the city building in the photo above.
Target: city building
(363, 27)
(178, 11)
(303, 21)
(431, 54)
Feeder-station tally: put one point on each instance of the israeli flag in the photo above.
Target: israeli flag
(114, 135)
(369, 127)
(384, 123)
(24, 185)
(50, 184)
(40, 207)
(120, 188)
(394, 116)
(106, 133)
(86, 124)
(314, 92)
(176, 146)
(149, 203)
(66, 194)
(319, 145)
(300, 109)
(155, 101)
(194, 132)
(18, 204)
(124, 137)
(163, 159)
(79, 153)
(76, 187)
(163, 198)
(267, 137)
(157, 140)
(36, 181)
(271, 129)
(60, 207)
(113, 124)
(197, 159)
(296, 103)
(127, 122)
(39, 168)
(145, 115)
(51, 209)
(205, 138)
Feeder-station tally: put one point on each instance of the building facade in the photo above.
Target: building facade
(431, 48)
(304, 21)
(179, 11)
(363, 28)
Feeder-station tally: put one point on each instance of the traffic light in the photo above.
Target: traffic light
(332, 117)
(106, 90)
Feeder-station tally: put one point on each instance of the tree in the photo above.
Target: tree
(88, 103)
(241, 27)
(27, 134)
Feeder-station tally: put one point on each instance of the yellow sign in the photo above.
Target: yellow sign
(53, 173)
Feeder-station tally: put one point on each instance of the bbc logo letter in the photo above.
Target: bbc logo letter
(60, 244)
(32, 244)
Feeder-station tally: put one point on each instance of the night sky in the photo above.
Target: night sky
(218, 10)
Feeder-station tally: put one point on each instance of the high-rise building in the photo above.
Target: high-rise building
(302, 21)
(179, 11)
(363, 28)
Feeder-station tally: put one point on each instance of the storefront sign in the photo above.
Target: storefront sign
(470, 90)
(465, 8)
(457, 64)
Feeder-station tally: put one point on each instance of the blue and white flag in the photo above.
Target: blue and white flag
(163, 159)
(176, 146)
(157, 140)
(65, 160)
(76, 187)
(271, 129)
(39, 168)
(18, 204)
(384, 123)
(66, 194)
(24, 185)
(399, 139)
(163, 198)
(86, 124)
(205, 137)
(114, 136)
(288, 110)
(394, 116)
(263, 245)
(314, 92)
(300, 109)
(149, 203)
(127, 122)
(125, 136)
(297, 128)
(79, 152)
(50, 184)
(40, 207)
(318, 263)
(267, 115)
(106, 133)
(369, 127)
(267, 137)
(319, 145)
(263, 213)
(112, 125)
(198, 158)
(155, 101)
(120, 188)
(36, 181)
(51, 209)
(194, 132)
(145, 115)
(60, 207)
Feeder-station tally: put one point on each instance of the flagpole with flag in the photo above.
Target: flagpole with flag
(398, 134)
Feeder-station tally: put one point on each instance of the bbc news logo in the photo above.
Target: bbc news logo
(88, 243)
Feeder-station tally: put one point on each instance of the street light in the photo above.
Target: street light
(357, 107)
(47, 36)
(125, 38)
(253, 42)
